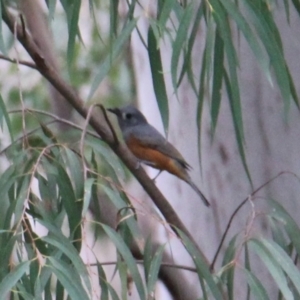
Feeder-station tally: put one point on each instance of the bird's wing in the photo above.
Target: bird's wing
(149, 137)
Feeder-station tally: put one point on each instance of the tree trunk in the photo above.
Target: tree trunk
(272, 146)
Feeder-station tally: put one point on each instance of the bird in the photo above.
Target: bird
(150, 147)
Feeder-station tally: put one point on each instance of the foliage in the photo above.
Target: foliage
(48, 181)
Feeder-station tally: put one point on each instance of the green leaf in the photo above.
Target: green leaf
(63, 244)
(273, 267)
(147, 255)
(217, 80)
(200, 102)
(256, 286)
(277, 233)
(228, 275)
(239, 138)
(158, 78)
(7, 243)
(102, 282)
(20, 199)
(117, 47)
(113, 293)
(122, 271)
(68, 278)
(88, 185)
(2, 44)
(108, 157)
(128, 258)
(75, 170)
(284, 261)
(72, 206)
(231, 80)
(74, 10)
(290, 226)
(180, 39)
(10, 280)
(297, 5)
(270, 37)
(4, 114)
(201, 266)
(113, 11)
(247, 266)
(252, 40)
(187, 66)
(165, 13)
(120, 204)
(24, 293)
(154, 269)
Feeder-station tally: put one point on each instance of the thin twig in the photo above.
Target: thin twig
(237, 210)
(26, 136)
(58, 119)
(109, 124)
(21, 62)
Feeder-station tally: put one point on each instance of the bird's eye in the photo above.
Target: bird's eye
(128, 116)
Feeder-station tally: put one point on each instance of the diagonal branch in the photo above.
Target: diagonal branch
(98, 123)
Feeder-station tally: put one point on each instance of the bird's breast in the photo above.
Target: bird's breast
(155, 158)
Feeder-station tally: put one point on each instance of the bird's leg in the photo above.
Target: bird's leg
(156, 175)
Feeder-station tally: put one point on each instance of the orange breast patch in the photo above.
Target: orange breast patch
(157, 159)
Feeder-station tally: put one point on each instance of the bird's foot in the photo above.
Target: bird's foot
(156, 176)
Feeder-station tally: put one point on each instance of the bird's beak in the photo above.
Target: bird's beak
(115, 111)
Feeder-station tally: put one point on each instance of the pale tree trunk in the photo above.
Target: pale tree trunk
(272, 146)
(36, 24)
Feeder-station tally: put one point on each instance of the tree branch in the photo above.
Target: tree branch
(98, 123)
(21, 62)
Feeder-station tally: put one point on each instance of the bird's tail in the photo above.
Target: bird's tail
(195, 188)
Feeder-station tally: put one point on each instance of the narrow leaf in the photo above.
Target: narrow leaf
(202, 267)
(2, 44)
(289, 224)
(217, 80)
(284, 261)
(273, 267)
(102, 282)
(87, 195)
(297, 5)
(4, 115)
(154, 269)
(165, 13)
(73, 29)
(270, 37)
(256, 287)
(117, 47)
(239, 138)
(158, 78)
(229, 271)
(128, 258)
(10, 280)
(68, 249)
(180, 39)
(70, 281)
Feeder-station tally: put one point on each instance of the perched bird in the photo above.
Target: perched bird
(149, 146)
